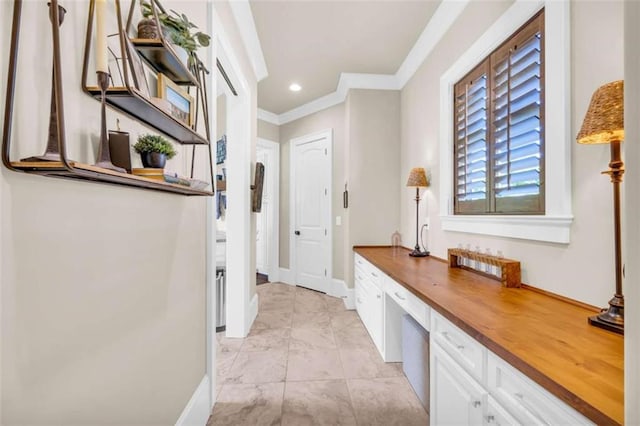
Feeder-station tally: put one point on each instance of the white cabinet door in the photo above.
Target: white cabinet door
(376, 317)
(456, 398)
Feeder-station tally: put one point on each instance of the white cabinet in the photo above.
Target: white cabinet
(498, 416)
(465, 372)
(456, 398)
(529, 402)
(369, 301)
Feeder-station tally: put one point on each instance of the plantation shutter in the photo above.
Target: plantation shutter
(470, 139)
(517, 122)
(499, 129)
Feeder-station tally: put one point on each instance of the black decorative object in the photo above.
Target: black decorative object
(154, 160)
(256, 201)
(120, 150)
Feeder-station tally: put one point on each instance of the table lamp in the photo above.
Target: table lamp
(604, 123)
(418, 179)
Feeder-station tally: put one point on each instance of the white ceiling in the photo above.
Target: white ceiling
(312, 42)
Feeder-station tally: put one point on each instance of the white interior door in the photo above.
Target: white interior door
(267, 233)
(311, 205)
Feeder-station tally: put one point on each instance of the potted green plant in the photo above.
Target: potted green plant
(154, 150)
(178, 30)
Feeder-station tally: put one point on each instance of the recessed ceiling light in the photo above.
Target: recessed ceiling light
(295, 87)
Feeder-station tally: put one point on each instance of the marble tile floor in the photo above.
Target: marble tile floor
(309, 361)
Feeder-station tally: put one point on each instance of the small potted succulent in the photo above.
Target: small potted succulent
(154, 150)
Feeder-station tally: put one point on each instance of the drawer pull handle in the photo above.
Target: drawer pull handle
(359, 262)
(378, 296)
(374, 274)
(359, 277)
(399, 296)
(445, 334)
(490, 418)
(476, 404)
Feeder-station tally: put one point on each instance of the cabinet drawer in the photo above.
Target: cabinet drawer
(409, 302)
(366, 268)
(467, 351)
(526, 400)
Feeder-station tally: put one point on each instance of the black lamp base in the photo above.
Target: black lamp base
(418, 253)
(611, 319)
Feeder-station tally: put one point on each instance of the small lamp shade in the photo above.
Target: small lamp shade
(417, 178)
(604, 121)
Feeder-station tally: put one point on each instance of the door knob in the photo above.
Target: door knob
(297, 232)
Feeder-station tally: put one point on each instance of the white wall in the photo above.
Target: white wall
(373, 169)
(631, 206)
(582, 270)
(268, 131)
(103, 287)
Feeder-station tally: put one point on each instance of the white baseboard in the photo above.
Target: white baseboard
(349, 299)
(198, 409)
(339, 289)
(253, 312)
(285, 276)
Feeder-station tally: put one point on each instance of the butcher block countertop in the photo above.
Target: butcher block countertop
(546, 338)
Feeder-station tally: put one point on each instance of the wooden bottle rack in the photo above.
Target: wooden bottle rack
(510, 269)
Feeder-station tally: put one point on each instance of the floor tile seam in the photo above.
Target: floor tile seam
(340, 360)
(353, 405)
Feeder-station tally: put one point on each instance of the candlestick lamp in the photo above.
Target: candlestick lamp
(604, 123)
(418, 179)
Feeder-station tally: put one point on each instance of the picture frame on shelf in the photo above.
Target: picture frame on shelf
(182, 104)
(137, 71)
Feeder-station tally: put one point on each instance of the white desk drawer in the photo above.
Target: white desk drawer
(396, 292)
(409, 302)
(467, 351)
(526, 400)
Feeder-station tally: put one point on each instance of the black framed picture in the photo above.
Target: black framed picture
(221, 149)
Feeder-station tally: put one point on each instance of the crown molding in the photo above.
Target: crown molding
(441, 21)
(241, 11)
(268, 116)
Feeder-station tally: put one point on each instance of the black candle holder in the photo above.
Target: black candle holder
(52, 152)
(104, 156)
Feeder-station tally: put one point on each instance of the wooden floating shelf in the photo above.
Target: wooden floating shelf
(141, 108)
(510, 269)
(162, 58)
(88, 172)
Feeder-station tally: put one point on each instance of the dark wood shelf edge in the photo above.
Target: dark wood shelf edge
(180, 72)
(122, 92)
(97, 175)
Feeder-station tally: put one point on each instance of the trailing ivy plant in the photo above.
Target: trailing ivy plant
(154, 143)
(178, 29)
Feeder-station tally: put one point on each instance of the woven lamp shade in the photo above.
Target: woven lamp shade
(604, 121)
(417, 178)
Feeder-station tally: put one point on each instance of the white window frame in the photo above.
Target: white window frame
(555, 224)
